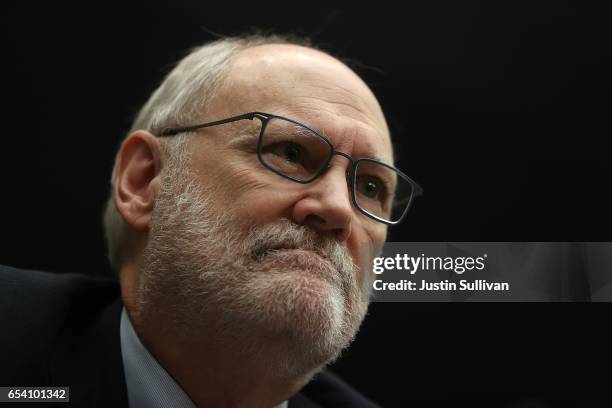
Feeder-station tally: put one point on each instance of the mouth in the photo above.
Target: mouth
(316, 262)
(309, 258)
(261, 253)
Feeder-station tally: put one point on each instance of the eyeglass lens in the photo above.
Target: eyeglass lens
(297, 152)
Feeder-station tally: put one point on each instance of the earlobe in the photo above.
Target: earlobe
(137, 178)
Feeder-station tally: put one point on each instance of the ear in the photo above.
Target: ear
(137, 178)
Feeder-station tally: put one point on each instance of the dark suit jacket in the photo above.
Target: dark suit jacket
(63, 330)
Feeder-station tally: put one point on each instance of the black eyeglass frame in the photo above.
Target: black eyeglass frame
(265, 118)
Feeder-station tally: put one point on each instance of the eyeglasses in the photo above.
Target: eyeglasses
(301, 154)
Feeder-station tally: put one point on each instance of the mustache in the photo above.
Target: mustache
(288, 235)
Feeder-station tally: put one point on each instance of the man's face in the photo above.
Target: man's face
(236, 247)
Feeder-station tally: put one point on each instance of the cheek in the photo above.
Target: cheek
(265, 205)
(257, 197)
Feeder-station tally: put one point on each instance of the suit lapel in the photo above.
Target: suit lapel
(87, 358)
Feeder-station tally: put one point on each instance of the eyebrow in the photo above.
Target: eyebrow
(245, 136)
(243, 133)
(359, 133)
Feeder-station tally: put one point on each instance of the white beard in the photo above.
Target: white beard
(280, 291)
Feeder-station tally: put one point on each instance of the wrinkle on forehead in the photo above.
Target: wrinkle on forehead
(281, 79)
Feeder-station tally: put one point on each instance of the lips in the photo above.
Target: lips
(324, 268)
(263, 252)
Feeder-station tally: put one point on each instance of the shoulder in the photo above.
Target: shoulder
(16, 279)
(37, 307)
(28, 293)
(328, 390)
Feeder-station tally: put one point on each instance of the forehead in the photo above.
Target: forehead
(308, 86)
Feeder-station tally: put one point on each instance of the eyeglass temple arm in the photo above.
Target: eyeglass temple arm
(174, 131)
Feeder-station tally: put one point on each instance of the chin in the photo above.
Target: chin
(306, 314)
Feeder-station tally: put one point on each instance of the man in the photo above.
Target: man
(239, 222)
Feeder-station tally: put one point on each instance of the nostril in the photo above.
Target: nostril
(316, 220)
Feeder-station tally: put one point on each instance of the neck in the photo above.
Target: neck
(219, 372)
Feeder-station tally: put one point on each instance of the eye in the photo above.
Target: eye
(291, 152)
(371, 187)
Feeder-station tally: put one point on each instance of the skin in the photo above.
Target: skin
(292, 81)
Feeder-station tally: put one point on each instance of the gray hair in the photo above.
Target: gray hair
(180, 100)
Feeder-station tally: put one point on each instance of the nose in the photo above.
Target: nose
(326, 205)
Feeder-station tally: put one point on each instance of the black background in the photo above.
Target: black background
(500, 110)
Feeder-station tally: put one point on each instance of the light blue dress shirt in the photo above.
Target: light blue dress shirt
(148, 384)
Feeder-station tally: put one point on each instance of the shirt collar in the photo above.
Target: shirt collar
(148, 383)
